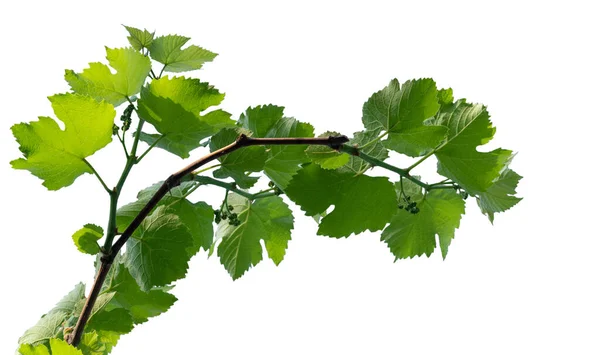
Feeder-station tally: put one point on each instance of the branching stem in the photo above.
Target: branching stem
(172, 181)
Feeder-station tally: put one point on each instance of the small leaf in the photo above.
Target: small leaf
(167, 50)
(100, 83)
(409, 235)
(173, 106)
(86, 239)
(139, 39)
(268, 219)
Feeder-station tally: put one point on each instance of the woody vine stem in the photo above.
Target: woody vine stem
(109, 251)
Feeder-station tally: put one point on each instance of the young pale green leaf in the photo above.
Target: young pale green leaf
(139, 39)
(326, 157)
(57, 156)
(499, 197)
(268, 219)
(157, 250)
(469, 127)
(445, 97)
(373, 147)
(57, 346)
(239, 163)
(167, 50)
(401, 111)
(86, 239)
(197, 217)
(173, 106)
(91, 344)
(361, 202)
(128, 295)
(61, 347)
(410, 235)
(28, 349)
(100, 83)
(283, 161)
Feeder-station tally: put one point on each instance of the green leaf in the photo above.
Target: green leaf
(90, 344)
(128, 295)
(458, 159)
(167, 50)
(86, 239)
(101, 302)
(57, 346)
(361, 202)
(240, 162)
(116, 320)
(100, 83)
(28, 349)
(49, 325)
(445, 97)
(417, 141)
(283, 160)
(46, 328)
(61, 347)
(157, 250)
(410, 235)
(268, 219)
(139, 39)
(499, 197)
(326, 157)
(197, 217)
(173, 106)
(374, 148)
(58, 156)
(401, 111)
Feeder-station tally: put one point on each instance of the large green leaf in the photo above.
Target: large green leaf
(157, 250)
(100, 83)
(410, 235)
(240, 163)
(173, 106)
(197, 217)
(283, 160)
(458, 158)
(268, 219)
(167, 50)
(400, 111)
(361, 202)
(58, 156)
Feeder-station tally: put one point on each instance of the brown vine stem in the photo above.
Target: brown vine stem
(172, 181)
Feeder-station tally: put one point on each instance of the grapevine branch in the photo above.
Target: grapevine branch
(172, 181)
(188, 173)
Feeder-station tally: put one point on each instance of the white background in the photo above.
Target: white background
(527, 285)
